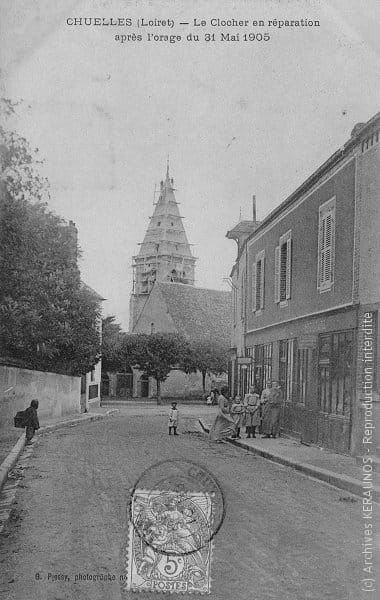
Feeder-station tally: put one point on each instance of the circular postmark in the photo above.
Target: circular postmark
(176, 508)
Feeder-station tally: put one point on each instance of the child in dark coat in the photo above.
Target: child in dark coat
(31, 421)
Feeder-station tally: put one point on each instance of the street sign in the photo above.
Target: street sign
(244, 360)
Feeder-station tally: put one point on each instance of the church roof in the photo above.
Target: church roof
(198, 313)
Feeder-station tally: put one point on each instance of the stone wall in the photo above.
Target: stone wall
(58, 395)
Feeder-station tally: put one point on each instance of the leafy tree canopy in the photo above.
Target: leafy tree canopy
(205, 356)
(48, 319)
(155, 355)
(113, 346)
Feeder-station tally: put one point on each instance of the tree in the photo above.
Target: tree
(48, 319)
(155, 355)
(205, 356)
(113, 345)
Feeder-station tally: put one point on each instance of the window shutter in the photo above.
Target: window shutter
(326, 246)
(254, 287)
(288, 267)
(262, 282)
(277, 274)
(320, 253)
(243, 296)
(258, 282)
(329, 247)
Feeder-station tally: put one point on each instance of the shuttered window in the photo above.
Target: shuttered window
(254, 286)
(283, 268)
(258, 274)
(326, 245)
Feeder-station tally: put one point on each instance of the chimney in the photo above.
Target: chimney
(254, 208)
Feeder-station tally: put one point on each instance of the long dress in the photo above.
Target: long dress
(252, 410)
(223, 426)
(272, 412)
(237, 414)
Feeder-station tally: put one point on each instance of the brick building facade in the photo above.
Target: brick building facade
(303, 281)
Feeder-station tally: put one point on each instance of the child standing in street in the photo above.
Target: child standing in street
(173, 419)
(237, 414)
(252, 411)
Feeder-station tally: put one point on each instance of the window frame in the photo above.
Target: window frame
(287, 357)
(303, 375)
(335, 376)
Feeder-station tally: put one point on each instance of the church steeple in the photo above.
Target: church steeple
(165, 253)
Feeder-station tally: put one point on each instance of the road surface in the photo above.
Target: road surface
(284, 537)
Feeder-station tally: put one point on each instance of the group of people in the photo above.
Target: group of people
(255, 412)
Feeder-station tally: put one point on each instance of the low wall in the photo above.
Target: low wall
(58, 395)
(180, 384)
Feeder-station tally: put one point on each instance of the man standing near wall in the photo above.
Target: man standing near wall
(31, 421)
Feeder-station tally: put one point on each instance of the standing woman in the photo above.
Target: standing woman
(264, 397)
(238, 414)
(272, 412)
(252, 412)
(223, 426)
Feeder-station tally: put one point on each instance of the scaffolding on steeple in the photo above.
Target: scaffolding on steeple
(165, 253)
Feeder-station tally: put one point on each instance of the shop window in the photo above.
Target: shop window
(335, 377)
(303, 374)
(286, 368)
(262, 366)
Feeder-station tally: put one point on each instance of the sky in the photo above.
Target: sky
(235, 118)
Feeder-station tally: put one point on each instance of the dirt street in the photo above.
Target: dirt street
(285, 536)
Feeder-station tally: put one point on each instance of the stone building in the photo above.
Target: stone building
(306, 282)
(164, 298)
(165, 253)
(196, 313)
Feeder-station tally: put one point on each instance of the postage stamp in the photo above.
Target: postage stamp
(170, 546)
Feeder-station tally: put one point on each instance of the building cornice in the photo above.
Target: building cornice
(306, 316)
